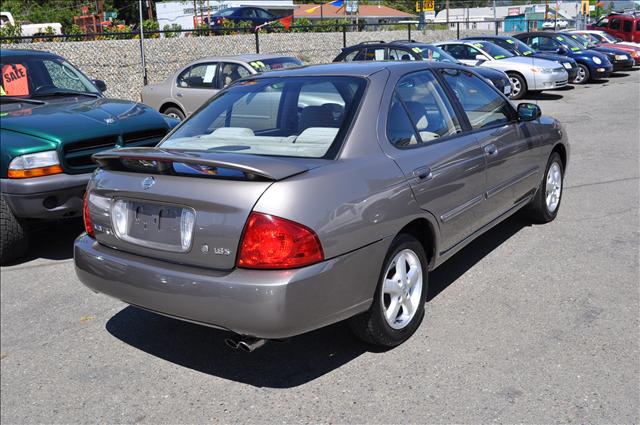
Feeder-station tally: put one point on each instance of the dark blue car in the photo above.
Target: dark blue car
(255, 15)
(592, 65)
(518, 48)
(620, 59)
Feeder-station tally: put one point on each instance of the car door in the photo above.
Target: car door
(511, 148)
(195, 85)
(444, 167)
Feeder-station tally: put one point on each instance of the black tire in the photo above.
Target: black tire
(14, 238)
(537, 209)
(517, 80)
(371, 326)
(582, 79)
(175, 113)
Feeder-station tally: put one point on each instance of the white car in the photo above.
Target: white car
(525, 73)
(559, 24)
(605, 37)
(31, 30)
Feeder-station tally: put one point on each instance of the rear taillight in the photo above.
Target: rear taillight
(88, 227)
(271, 242)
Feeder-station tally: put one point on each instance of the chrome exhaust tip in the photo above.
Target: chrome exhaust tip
(252, 344)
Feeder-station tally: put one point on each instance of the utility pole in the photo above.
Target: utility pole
(150, 9)
(447, 6)
(421, 19)
(144, 64)
(495, 19)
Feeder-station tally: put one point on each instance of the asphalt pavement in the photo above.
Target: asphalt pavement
(530, 323)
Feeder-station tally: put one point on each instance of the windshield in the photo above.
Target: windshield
(582, 40)
(33, 77)
(292, 116)
(274, 64)
(493, 50)
(433, 53)
(571, 43)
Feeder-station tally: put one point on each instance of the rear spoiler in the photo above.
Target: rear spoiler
(160, 161)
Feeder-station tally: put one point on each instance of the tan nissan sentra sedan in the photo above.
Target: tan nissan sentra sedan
(296, 199)
(184, 91)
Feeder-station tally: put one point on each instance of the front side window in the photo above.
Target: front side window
(627, 25)
(263, 14)
(420, 98)
(462, 51)
(231, 72)
(493, 50)
(293, 116)
(199, 76)
(544, 43)
(615, 24)
(483, 106)
(401, 55)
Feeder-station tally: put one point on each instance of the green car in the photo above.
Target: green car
(52, 119)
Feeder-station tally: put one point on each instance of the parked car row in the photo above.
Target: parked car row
(291, 197)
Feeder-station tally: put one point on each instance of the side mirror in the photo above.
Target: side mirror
(101, 85)
(528, 112)
(480, 58)
(562, 50)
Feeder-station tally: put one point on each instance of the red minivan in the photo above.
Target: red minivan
(622, 25)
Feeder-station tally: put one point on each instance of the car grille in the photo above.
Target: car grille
(76, 156)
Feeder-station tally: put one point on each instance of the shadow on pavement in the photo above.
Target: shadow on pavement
(278, 364)
(619, 74)
(542, 96)
(52, 241)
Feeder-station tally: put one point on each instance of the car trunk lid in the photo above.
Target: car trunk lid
(184, 207)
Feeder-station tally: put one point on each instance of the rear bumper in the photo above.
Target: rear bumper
(48, 197)
(260, 303)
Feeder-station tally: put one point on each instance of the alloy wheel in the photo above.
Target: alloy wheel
(402, 289)
(553, 188)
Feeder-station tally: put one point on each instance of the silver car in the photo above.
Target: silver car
(301, 198)
(527, 74)
(191, 86)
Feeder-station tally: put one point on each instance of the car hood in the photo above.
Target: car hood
(609, 50)
(552, 57)
(63, 121)
(525, 61)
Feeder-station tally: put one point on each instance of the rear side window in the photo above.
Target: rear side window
(420, 112)
(483, 106)
(615, 24)
(638, 25)
(627, 25)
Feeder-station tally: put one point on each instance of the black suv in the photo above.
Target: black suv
(412, 50)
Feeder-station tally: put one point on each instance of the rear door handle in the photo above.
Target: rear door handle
(491, 149)
(423, 173)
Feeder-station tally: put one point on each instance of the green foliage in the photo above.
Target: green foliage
(149, 25)
(172, 27)
(9, 30)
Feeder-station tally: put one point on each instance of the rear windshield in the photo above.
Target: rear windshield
(294, 116)
(273, 64)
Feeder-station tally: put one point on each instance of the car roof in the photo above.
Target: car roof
(28, 52)
(240, 58)
(487, 37)
(357, 69)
